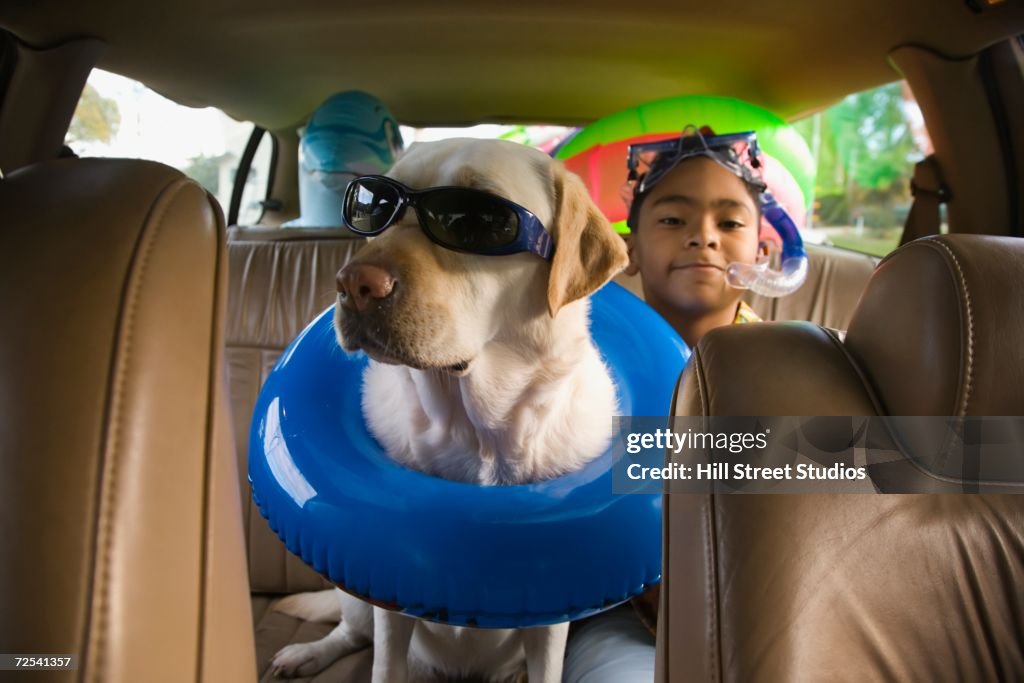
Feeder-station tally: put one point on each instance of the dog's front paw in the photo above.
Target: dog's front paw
(299, 659)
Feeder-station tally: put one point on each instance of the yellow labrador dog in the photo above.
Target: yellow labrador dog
(484, 371)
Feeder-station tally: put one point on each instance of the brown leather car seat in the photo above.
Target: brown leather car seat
(119, 512)
(859, 587)
(279, 280)
(835, 280)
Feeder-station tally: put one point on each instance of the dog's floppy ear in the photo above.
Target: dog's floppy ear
(588, 251)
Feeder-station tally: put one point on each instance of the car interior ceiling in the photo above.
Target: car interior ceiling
(963, 67)
(961, 64)
(273, 64)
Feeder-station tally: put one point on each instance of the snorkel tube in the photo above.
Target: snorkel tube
(760, 277)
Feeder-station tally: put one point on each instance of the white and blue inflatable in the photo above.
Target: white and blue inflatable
(507, 556)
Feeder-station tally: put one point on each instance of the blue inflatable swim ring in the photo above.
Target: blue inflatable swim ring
(498, 557)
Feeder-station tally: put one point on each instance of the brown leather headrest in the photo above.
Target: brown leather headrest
(789, 368)
(940, 328)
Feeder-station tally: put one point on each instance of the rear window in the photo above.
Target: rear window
(543, 137)
(866, 147)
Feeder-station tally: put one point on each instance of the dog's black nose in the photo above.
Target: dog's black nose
(359, 284)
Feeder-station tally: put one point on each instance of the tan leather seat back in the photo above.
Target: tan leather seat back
(279, 280)
(835, 280)
(118, 508)
(858, 587)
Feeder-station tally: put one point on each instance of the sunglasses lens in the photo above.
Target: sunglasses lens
(468, 220)
(370, 205)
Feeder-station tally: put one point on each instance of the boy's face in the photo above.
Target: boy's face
(697, 220)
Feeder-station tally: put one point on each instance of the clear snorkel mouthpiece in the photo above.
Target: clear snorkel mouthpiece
(759, 277)
(766, 281)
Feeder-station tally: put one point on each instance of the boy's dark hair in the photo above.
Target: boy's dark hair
(659, 166)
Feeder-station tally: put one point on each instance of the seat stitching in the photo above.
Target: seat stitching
(969, 311)
(698, 367)
(866, 385)
(663, 622)
(109, 477)
(709, 543)
(711, 602)
(216, 373)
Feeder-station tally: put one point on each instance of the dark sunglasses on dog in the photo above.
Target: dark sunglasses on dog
(457, 218)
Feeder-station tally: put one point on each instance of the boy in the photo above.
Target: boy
(696, 211)
(695, 216)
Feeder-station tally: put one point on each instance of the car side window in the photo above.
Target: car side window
(120, 117)
(866, 147)
(258, 179)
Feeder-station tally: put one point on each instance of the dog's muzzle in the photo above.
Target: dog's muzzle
(365, 319)
(366, 296)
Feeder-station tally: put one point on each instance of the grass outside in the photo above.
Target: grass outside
(874, 241)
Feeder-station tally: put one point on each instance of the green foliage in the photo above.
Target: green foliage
(205, 171)
(520, 134)
(866, 154)
(96, 118)
(874, 242)
(832, 209)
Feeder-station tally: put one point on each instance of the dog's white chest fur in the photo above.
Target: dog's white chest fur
(511, 420)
